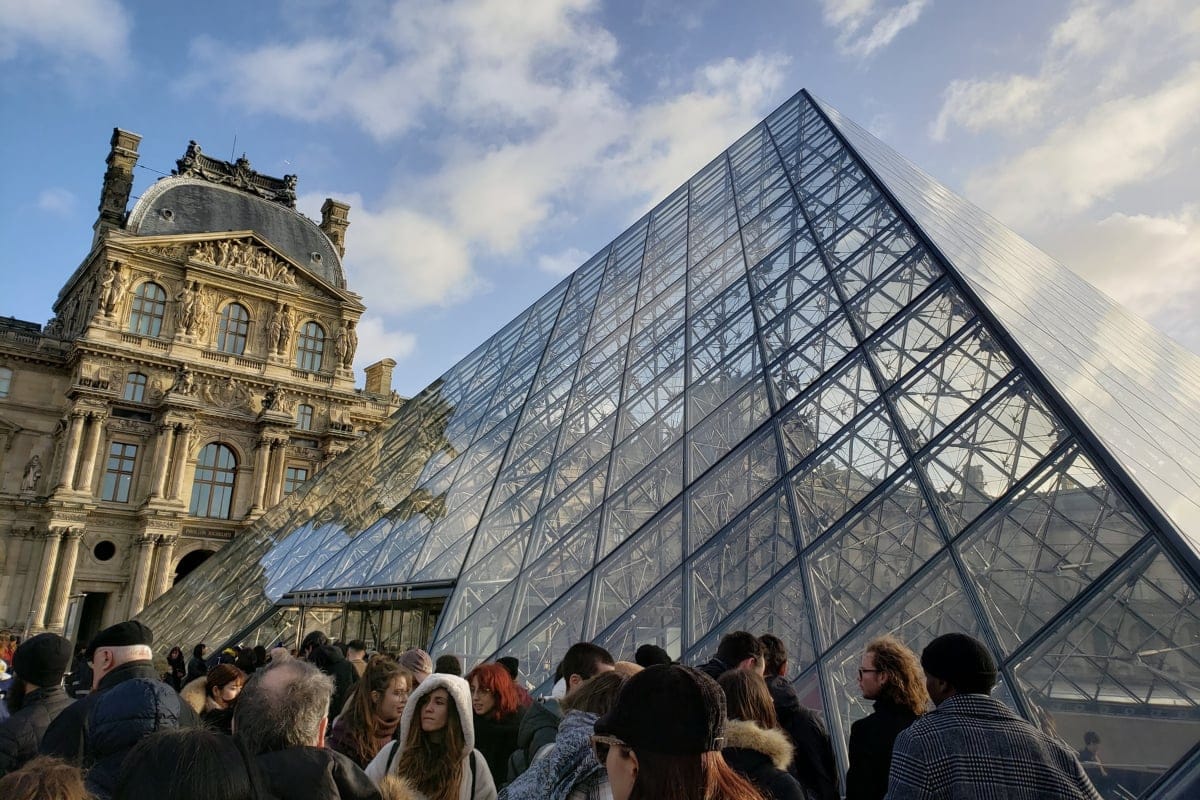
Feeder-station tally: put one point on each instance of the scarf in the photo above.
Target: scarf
(569, 764)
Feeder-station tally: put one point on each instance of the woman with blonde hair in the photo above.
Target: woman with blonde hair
(372, 712)
(434, 757)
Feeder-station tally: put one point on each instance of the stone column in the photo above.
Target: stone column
(183, 444)
(141, 573)
(91, 450)
(162, 450)
(262, 455)
(41, 590)
(66, 576)
(12, 563)
(166, 558)
(275, 480)
(66, 480)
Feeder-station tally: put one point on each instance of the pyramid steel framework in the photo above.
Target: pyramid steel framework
(812, 392)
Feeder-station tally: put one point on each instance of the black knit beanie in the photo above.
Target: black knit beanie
(962, 661)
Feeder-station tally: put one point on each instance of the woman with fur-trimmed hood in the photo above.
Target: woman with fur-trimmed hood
(434, 757)
(755, 746)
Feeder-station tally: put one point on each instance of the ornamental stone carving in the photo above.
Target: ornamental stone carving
(246, 258)
(188, 299)
(227, 394)
(33, 474)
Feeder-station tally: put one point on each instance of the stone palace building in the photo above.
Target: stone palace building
(198, 368)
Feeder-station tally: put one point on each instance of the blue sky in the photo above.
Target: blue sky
(487, 147)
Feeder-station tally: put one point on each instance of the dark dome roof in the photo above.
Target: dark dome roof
(176, 205)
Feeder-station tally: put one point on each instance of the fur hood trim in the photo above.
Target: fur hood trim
(393, 787)
(195, 693)
(459, 691)
(773, 743)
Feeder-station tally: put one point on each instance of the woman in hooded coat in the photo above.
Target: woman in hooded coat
(755, 746)
(434, 757)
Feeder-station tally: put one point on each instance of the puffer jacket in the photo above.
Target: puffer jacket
(475, 773)
(813, 763)
(21, 733)
(118, 720)
(762, 757)
(65, 736)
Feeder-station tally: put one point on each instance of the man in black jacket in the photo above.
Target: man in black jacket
(36, 698)
(281, 717)
(737, 650)
(812, 758)
(328, 658)
(890, 675)
(118, 654)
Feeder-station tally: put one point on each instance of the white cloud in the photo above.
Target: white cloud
(1121, 142)
(1012, 102)
(563, 263)
(533, 129)
(865, 26)
(376, 341)
(400, 259)
(67, 31)
(1148, 263)
(57, 201)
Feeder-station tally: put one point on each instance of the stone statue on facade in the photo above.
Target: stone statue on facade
(110, 288)
(189, 306)
(33, 474)
(185, 383)
(351, 344)
(287, 320)
(270, 399)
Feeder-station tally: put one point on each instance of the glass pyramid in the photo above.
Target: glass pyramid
(811, 392)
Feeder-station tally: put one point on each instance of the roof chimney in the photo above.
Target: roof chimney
(118, 182)
(379, 377)
(335, 218)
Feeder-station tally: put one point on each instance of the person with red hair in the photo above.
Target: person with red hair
(498, 714)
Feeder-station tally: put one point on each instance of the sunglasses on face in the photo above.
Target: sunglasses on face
(602, 744)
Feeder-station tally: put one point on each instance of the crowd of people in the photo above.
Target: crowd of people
(333, 722)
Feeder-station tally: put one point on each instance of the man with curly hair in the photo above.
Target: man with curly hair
(890, 675)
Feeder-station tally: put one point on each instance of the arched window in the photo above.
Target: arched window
(304, 417)
(310, 347)
(135, 387)
(235, 325)
(149, 308)
(212, 488)
(5, 381)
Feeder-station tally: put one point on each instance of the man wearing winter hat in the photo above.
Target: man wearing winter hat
(119, 654)
(35, 699)
(972, 745)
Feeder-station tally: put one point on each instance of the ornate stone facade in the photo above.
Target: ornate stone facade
(189, 378)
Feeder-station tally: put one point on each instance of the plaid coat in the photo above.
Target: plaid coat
(974, 748)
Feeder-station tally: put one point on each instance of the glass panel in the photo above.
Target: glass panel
(986, 454)
(845, 472)
(541, 646)
(725, 428)
(1048, 542)
(826, 409)
(633, 570)
(722, 494)
(658, 619)
(545, 581)
(739, 561)
(907, 342)
(871, 556)
(642, 497)
(1125, 665)
(799, 367)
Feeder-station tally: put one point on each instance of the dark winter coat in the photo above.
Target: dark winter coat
(871, 740)
(314, 773)
(539, 727)
(65, 735)
(497, 739)
(331, 661)
(813, 763)
(762, 757)
(714, 668)
(196, 668)
(21, 733)
(120, 718)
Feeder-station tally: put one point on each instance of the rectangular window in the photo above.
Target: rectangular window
(5, 381)
(118, 472)
(294, 477)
